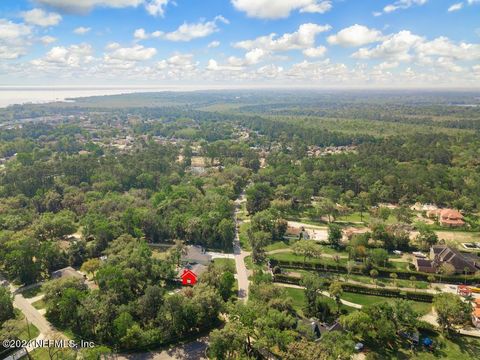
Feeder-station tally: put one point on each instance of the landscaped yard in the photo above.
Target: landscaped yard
(292, 257)
(26, 332)
(243, 236)
(229, 263)
(388, 282)
(299, 301)
(361, 299)
(39, 304)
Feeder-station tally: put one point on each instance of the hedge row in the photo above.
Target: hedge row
(360, 289)
(382, 271)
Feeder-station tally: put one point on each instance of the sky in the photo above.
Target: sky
(241, 43)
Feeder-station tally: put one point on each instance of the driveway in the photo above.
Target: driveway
(194, 350)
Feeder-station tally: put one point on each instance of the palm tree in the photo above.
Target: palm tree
(374, 274)
(394, 277)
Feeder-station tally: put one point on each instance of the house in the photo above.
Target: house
(188, 277)
(196, 255)
(195, 262)
(67, 272)
(441, 254)
(476, 313)
(447, 217)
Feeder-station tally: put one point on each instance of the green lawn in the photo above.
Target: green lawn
(355, 217)
(39, 304)
(27, 332)
(242, 234)
(228, 263)
(387, 282)
(279, 245)
(361, 299)
(299, 301)
(456, 348)
(299, 258)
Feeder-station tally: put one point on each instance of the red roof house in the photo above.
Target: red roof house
(188, 277)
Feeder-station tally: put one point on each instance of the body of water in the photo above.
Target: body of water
(40, 95)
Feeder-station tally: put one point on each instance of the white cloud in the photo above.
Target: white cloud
(135, 53)
(395, 47)
(184, 32)
(315, 52)
(213, 44)
(317, 7)
(59, 56)
(81, 30)
(403, 4)
(277, 9)
(156, 7)
(444, 47)
(46, 40)
(303, 38)
(14, 38)
(41, 18)
(355, 35)
(455, 7)
(153, 7)
(140, 34)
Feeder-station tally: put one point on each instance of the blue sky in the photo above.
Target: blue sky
(241, 43)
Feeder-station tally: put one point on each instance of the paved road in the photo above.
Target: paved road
(240, 255)
(32, 314)
(194, 350)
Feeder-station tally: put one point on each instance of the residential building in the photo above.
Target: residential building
(447, 217)
(441, 254)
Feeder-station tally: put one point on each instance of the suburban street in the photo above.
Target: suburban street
(240, 255)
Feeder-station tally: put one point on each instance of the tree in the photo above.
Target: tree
(413, 282)
(228, 342)
(363, 201)
(451, 311)
(334, 235)
(403, 214)
(307, 249)
(258, 240)
(258, 197)
(91, 266)
(6, 305)
(379, 256)
(374, 274)
(431, 279)
(312, 284)
(327, 207)
(55, 226)
(426, 238)
(394, 277)
(446, 269)
(335, 290)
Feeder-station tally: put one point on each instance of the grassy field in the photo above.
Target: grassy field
(355, 217)
(361, 299)
(229, 263)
